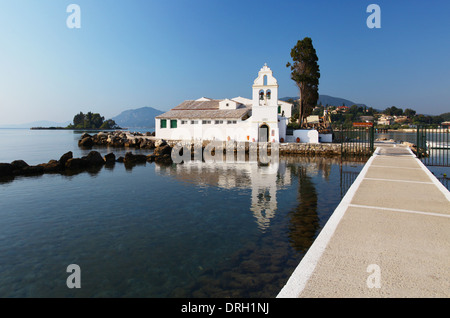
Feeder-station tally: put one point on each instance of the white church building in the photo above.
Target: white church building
(262, 118)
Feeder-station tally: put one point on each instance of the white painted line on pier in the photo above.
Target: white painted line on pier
(304, 270)
(403, 157)
(395, 180)
(398, 210)
(394, 167)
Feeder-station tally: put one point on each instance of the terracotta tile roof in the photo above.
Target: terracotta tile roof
(192, 109)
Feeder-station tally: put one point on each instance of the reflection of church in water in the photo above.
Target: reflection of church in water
(262, 180)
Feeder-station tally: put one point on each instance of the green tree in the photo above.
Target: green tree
(305, 73)
(109, 124)
(409, 113)
(78, 119)
(393, 111)
(445, 116)
(92, 121)
(370, 111)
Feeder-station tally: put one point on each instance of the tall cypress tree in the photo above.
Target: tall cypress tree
(305, 72)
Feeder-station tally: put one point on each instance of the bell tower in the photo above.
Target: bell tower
(265, 88)
(265, 107)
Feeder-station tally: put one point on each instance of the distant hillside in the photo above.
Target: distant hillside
(329, 100)
(137, 118)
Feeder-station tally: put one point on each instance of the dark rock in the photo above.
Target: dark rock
(163, 150)
(110, 158)
(6, 169)
(87, 142)
(160, 143)
(102, 135)
(52, 166)
(131, 158)
(143, 144)
(94, 158)
(65, 157)
(164, 159)
(19, 164)
(120, 159)
(118, 143)
(147, 144)
(85, 135)
(76, 163)
(151, 158)
(30, 170)
(20, 168)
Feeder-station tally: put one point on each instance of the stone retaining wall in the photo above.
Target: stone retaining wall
(321, 149)
(121, 139)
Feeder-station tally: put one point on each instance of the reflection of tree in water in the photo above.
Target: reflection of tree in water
(304, 221)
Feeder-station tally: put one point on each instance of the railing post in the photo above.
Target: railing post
(418, 142)
(372, 138)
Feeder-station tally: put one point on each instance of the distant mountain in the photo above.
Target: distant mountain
(137, 118)
(329, 100)
(41, 123)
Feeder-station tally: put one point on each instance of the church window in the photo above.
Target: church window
(173, 123)
(279, 109)
(261, 95)
(265, 80)
(163, 123)
(268, 94)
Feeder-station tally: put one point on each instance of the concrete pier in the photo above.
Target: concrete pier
(389, 237)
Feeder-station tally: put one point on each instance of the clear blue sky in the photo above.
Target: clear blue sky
(130, 54)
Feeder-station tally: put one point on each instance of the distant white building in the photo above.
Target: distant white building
(385, 120)
(262, 118)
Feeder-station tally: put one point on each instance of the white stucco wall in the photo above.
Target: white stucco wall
(206, 131)
(286, 108)
(282, 125)
(307, 135)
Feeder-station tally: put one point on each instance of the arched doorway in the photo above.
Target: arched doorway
(263, 133)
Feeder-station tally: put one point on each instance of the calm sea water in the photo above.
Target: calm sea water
(189, 230)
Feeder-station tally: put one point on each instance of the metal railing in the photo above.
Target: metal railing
(355, 140)
(433, 145)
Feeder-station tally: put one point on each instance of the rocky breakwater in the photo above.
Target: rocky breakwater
(162, 152)
(67, 164)
(117, 139)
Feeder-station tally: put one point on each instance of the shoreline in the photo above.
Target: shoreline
(65, 128)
